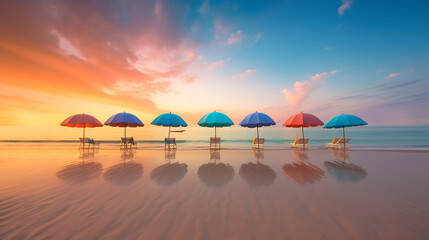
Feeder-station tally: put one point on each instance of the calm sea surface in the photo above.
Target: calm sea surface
(367, 137)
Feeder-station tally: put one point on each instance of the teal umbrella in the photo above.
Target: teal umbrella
(215, 119)
(169, 120)
(343, 121)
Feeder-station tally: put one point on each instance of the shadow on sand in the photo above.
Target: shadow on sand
(124, 173)
(302, 172)
(80, 172)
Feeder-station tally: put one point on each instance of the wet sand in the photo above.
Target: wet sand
(231, 194)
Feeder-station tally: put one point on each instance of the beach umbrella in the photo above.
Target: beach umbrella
(215, 119)
(81, 121)
(169, 120)
(303, 120)
(257, 120)
(343, 121)
(124, 120)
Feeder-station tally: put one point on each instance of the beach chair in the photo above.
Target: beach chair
(170, 143)
(298, 142)
(215, 143)
(88, 142)
(128, 143)
(258, 143)
(338, 143)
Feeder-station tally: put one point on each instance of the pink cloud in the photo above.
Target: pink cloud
(247, 73)
(235, 37)
(303, 89)
(392, 75)
(216, 64)
(346, 5)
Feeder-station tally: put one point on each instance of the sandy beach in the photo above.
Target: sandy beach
(231, 194)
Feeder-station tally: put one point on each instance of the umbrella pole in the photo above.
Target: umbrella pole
(303, 141)
(257, 133)
(344, 139)
(125, 135)
(215, 130)
(83, 140)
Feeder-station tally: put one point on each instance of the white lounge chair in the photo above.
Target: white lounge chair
(88, 142)
(128, 143)
(258, 143)
(299, 142)
(215, 143)
(338, 143)
(170, 143)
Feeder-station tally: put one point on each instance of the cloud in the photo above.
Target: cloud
(258, 36)
(216, 64)
(303, 89)
(235, 37)
(346, 5)
(392, 75)
(247, 73)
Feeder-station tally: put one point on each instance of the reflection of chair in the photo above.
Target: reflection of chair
(80, 172)
(215, 174)
(169, 173)
(124, 173)
(258, 143)
(299, 141)
(303, 173)
(87, 152)
(170, 143)
(170, 154)
(127, 153)
(339, 153)
(215, 143)
(258, 154)
(345, 172)
(128, 143)
(301, 154)
(88, 142)
(257, 174)
(215, 154)
(339, 143)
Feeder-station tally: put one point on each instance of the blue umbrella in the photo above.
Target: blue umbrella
(169, 120)
(257, 120)
(124, 120)
(344, 120)
(215, 119)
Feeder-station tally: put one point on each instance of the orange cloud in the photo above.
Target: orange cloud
(392, 75)
(303, 89)
(97, 55)
(235, 37)
(247, 73)
(346, 5)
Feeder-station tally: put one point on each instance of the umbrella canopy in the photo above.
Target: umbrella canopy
(343, 121)
(169, 120)
(257, 120)
(82, 121)
(303, 120)
(215, 119)
(124, 120)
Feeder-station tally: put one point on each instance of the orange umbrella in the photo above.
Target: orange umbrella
(81, 121)
(303, 120)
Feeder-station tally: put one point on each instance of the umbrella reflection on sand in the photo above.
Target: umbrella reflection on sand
(257, 174)
(80, 172)
(339, 154)
(302, 172)
(345, 172)
(127, 153)
(169, 173)
(216, 174)
(215, 154)
(124, 173)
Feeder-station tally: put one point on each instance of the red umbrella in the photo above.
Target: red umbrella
(303, 120)
(81, 121)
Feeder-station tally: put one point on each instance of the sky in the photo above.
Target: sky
(367, 58)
